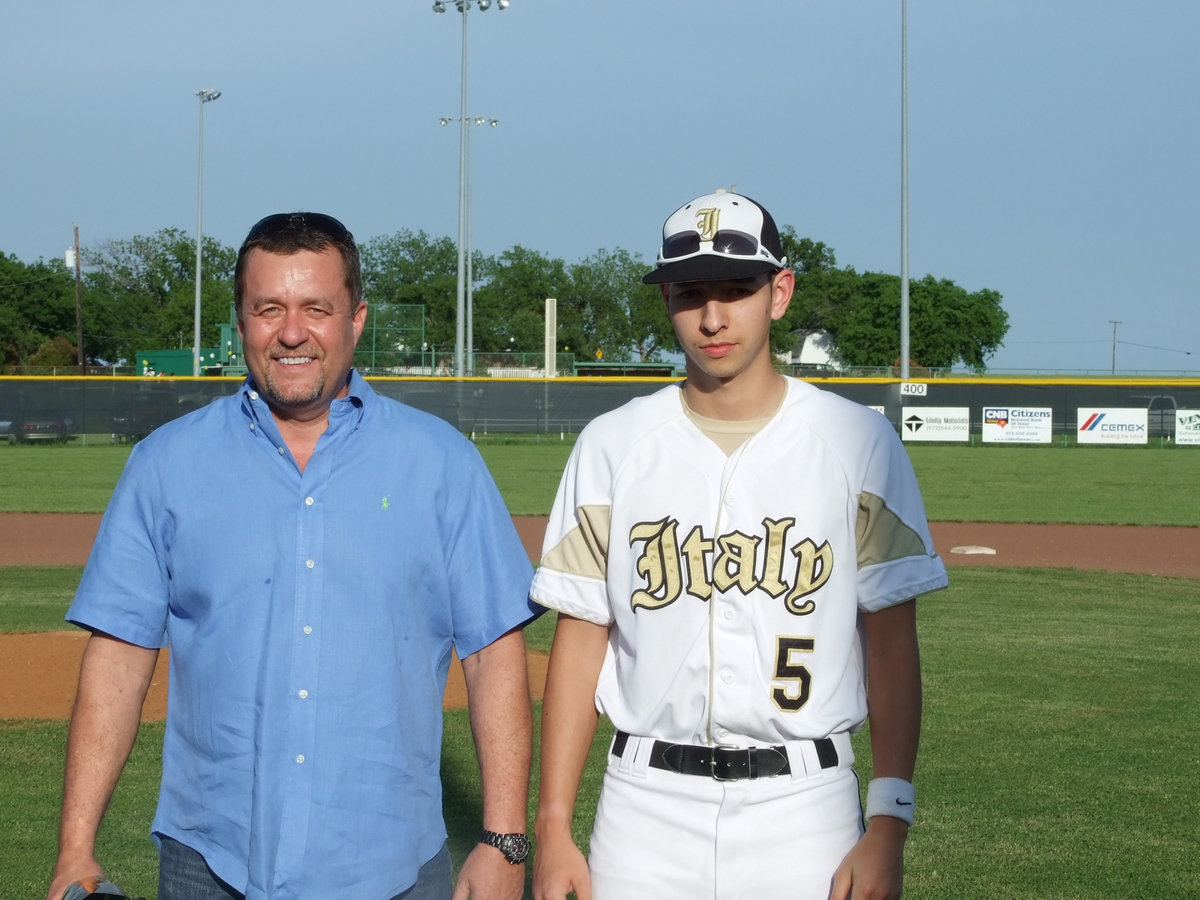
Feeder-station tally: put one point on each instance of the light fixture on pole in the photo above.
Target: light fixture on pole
(470, 276)
(205, 96)
(463, 7)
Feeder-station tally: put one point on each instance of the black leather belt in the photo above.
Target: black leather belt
(726, 763)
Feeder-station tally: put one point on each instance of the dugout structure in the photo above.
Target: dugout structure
(128, 408)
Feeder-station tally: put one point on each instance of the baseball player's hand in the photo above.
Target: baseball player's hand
(874, 867)
(487, 875)
(559, 867)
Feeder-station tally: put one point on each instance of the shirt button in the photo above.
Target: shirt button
(308, 629)
(303, 695)
(308, 501)
(254, 395)
(281, 451)
(251, 426)
(310, 563)
(300, 759)
(728, 613)
(727, 677)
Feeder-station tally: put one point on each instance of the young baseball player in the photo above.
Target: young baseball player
(734, 560)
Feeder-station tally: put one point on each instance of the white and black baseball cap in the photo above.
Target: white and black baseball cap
(716, 237)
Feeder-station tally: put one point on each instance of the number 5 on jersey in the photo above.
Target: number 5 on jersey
(791, 697)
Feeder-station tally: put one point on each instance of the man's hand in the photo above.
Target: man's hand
(874, 867)
(67, 872)
(487, 875)
(559, 868)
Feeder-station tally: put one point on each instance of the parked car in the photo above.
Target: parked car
(141, 414)
(1160, 416)
(41, 429)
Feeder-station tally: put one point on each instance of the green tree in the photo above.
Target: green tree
(54, 353)
(413, 269)
(142, 293)
(510, 304)
(619, 317)
(947, 324)
(817, 291)
(37, 304)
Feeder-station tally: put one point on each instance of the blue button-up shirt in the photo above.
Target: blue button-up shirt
(310, 618)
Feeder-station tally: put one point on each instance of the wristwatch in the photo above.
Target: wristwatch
(515, 847)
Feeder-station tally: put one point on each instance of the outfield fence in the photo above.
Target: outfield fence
(128, 408)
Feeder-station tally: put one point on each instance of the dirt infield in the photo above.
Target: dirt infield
(46, 665)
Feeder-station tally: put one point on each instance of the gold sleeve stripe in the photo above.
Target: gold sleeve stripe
(882, 537)
(584, 549)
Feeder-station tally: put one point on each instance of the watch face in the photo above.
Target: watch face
(515, 847)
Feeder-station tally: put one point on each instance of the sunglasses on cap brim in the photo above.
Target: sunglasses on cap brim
(736, 244)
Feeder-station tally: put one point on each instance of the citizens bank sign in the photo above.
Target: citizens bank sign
(1017, 424)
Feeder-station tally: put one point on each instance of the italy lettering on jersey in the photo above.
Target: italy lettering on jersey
(698, 564)
(733, 585)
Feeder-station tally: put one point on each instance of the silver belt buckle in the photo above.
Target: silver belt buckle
(712, 762)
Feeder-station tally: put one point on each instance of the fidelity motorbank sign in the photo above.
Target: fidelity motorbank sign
(1111, 426)
(935, 423)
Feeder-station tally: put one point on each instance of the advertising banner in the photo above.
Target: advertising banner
(1187, 426)
(1017, 424)
(935, 423)
(1111, 426)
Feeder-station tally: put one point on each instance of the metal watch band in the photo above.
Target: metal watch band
(515, 847)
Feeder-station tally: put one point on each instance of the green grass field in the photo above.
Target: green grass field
(1100, 485)
(1062, 723)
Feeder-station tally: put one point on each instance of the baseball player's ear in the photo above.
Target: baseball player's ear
(782, 284)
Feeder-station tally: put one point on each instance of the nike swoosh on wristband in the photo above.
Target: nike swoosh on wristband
(900, 802)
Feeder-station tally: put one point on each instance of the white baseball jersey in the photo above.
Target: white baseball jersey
(734, 583)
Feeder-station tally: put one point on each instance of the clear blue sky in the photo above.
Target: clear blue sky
(1054, 146)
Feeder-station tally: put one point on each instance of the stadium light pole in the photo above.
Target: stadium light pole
(205, 96)
(904, 324)
(470, 277)
(463, 7)
(1114, 323)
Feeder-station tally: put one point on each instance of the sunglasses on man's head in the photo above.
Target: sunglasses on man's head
(317, 222)
(725, 242)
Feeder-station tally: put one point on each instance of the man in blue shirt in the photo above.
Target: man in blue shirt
(311, 553)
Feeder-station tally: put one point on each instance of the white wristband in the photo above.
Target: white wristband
(893, 797)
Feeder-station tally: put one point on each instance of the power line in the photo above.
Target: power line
(8, 284)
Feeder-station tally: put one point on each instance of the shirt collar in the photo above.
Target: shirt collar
(344, 412)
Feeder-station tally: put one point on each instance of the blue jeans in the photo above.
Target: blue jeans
(184, 875)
